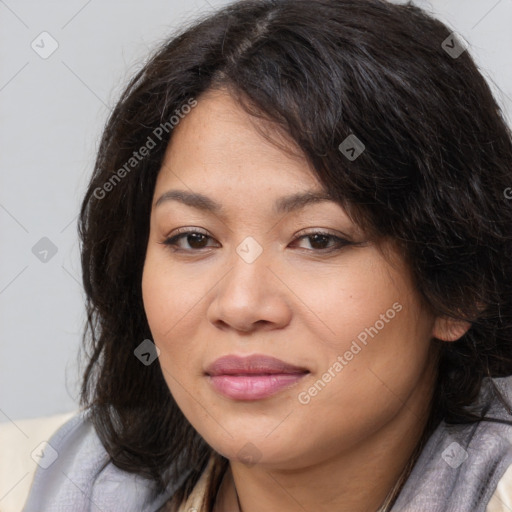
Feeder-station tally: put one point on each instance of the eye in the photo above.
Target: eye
(320, 241)
(194, 238)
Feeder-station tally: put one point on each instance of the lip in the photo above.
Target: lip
(256, 364)
(252, 377)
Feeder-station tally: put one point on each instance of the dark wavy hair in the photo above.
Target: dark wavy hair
(436, 161)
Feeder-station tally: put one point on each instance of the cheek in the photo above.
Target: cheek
(373, 372)
(167, 295)
(357, 397)
(378, 344)
(172, 307)
(163, 312)
(347, 301)
(158, 301)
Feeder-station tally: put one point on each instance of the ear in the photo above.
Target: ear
(449, 329)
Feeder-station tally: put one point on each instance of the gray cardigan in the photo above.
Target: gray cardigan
(457, 471)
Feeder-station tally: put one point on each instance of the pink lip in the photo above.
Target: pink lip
(253, 377)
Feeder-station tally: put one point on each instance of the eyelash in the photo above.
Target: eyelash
(171, 242)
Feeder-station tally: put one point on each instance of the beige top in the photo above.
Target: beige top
(193, 503)
(225, 500)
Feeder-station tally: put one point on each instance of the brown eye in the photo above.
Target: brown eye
(319, 241)
(195, 239)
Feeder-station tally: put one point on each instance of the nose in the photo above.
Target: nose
(250, 296)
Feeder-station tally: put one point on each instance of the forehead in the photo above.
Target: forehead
(219, 140)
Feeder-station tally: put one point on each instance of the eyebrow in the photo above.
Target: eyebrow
(283, 205)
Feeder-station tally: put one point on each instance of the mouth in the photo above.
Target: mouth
(252, 378)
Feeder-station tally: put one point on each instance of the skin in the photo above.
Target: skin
(344, 449)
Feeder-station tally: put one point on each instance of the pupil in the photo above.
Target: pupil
(315, 239)
(195, 239)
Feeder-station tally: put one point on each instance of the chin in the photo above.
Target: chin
(251, 449)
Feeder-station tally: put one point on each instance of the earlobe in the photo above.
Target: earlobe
(449, 329)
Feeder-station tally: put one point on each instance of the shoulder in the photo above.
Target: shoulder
(20, 443)
(67, 461)
(501, 499)
(77, 474)
(465, 467)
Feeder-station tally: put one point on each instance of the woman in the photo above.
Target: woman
(296, 253)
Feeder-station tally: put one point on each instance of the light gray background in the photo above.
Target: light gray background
(52, 112)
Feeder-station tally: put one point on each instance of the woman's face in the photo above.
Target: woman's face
(251, 282)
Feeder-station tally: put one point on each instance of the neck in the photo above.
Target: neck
(361, 479)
